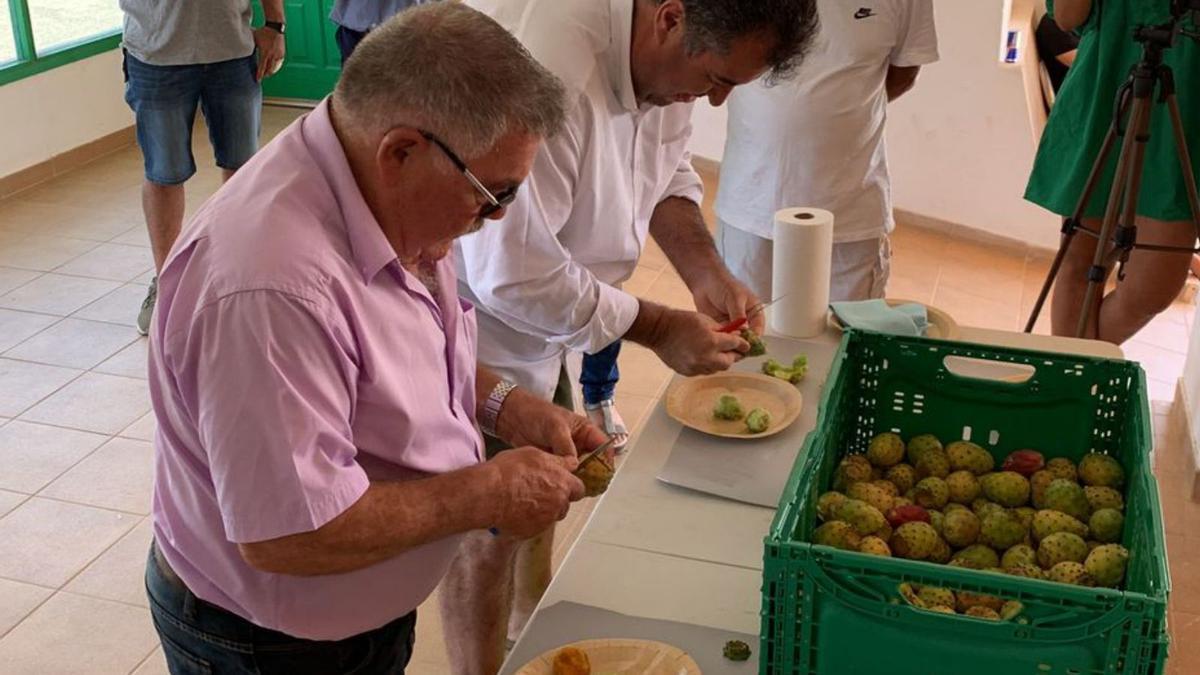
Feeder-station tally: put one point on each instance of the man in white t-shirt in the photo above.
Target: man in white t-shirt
(817, 140)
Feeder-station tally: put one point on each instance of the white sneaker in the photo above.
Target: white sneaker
(604, 415)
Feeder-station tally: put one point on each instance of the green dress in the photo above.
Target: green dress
(1083, 112)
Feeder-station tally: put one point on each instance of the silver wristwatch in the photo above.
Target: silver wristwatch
(492, 406)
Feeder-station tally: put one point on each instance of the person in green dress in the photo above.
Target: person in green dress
(1072, 139)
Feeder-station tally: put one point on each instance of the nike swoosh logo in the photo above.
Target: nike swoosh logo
(864, 12)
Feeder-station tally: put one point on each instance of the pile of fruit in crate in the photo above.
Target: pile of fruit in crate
(1051, 520)
(947, 601)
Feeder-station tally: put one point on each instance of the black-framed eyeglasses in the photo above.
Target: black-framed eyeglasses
(496, 201)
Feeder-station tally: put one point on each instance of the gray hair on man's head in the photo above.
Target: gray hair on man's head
(452, 71)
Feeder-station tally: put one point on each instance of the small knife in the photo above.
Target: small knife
(582, 460)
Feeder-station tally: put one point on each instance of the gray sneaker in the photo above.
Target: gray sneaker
(147, 313)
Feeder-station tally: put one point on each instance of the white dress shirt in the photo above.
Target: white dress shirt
(817, 139)
(546, 279)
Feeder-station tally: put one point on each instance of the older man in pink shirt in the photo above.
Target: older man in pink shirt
(313, 370)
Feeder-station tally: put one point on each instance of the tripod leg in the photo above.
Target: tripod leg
(1135, 137)
(1185, 160)
(1069, 229)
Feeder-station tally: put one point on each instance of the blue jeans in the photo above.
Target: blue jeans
(199, 638)
(347, 39)
(164, 100)
(600, 374)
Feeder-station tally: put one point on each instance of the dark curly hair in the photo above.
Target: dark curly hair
(712, 25)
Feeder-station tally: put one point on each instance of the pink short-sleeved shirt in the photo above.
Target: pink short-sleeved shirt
(292, 362)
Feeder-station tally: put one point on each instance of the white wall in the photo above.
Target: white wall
(1191, 387)
(961, 143)
(58, 110)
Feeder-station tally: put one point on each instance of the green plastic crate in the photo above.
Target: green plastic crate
(832, 612)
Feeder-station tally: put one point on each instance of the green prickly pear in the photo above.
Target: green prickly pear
(838, 534)
(1060, 547)
(977, 556)
(1101, 470)
(1047, 522)
(1061, 467)
(1063, 495)
(1007, 488)
(886, 449)
(931, 493)
(1107, 563)
(828, 503)
(967, 456)
(1021, 554)
(1002, 531)
(964, 487)
(1106, 525)
(864, 517)
(960, 528)
(918, 445)
(1069, 572)
(871, 494)
(1103, 498)
(914, 540)
(903, 476)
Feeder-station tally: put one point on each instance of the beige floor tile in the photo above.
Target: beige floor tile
(1160, 390)
(46, 542)
(115, 262)
(10, 501)
(23, 384)
(1165, 333)
(74, 343)
(669, 290)
(118, 476)
(633, 409)
(1185, 643)
(155, 664)
(143, 429)
(1159, 363)
(43, 253)
(94, 402)
(119, 573)
(120, 306)
(1183, 555)
(16, 327)
(983, 272)
(33, 455)
(146, 278)
(642, 372)
(643, 277)
(907, 285)
(17, 601)
(969, 309)
(83, 196)
(19, 215)
(56, 294)
(429, 653)
(653, 256)
(130, 361)
(72, 634)
(134, 236)
(11, 278)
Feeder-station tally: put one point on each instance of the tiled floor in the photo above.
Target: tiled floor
(75, 423)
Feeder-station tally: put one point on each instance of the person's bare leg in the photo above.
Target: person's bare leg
(475, 599)
(163, 207)
(532, 571)
(1070, 287)
(1152, 282)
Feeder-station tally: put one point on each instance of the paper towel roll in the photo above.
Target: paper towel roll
(802, 256)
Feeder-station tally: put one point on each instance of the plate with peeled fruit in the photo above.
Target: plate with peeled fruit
(612, 657)
(735, 404)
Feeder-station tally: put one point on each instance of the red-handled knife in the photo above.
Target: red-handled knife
(737, 324)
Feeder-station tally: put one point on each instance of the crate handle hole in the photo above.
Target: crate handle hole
(994, 437)
(983, 369)
(966, 435)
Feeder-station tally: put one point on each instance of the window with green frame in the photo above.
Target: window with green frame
(37, 35)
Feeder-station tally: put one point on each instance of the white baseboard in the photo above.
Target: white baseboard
(967, 233)
(1184, 407)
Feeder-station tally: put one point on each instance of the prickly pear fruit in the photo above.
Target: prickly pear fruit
(1101, 470)
(874, 546)
(937, 519)
(1027, 571)
(1068, 572)
(838, 534)
(932, 596)
(932, 492)
(951, 507)
(964, 487)
(983, 613)
(977, 556)
(909, 593)
(1106, 525)
(941, 552)
(914, 540)
(886, 449)
(903, 476)
(871, 494)
(967, 456)
(876, 473)
(918, 445)
(1063, 495)
(984, 508)
(1024, 462)
(1037, 487)
(1011, 610)
(898, 515)
(968, 600)
(933, 462)
(943, 609)
(1020, 554)
(1007, 488)
(852, 469)
(902, 501)
(828, 503)
(1061, 467)
(864, 517)
(1107, 564)
(1001, 531)
(1103, 498)
(960, 528)
(1047, 522)
(887, 486)
(1025, 514)
(1060, 547)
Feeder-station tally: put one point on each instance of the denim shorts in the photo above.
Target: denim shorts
(164, 101)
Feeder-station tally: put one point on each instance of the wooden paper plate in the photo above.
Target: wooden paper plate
(941, 326)
(622, 657)
(691, 402)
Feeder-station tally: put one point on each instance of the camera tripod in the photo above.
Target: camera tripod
(1135, 98)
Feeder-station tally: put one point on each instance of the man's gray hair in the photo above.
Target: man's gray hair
(452, 71)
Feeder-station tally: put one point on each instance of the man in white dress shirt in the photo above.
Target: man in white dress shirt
(547, 278)
(817, 140)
